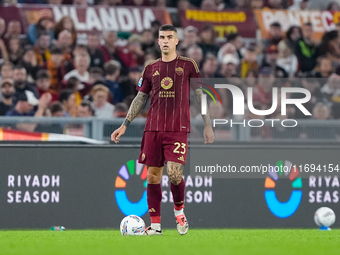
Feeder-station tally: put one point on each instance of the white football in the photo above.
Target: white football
(132, 225)
(324, 217)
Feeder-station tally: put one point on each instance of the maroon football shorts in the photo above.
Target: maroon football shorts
(160, 147)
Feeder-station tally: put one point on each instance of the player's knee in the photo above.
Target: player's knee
(154, 177)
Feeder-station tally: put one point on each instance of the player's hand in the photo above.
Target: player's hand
(208, 134)
(118, 133)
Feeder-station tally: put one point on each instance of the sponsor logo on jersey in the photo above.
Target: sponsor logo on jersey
(140, 82)
(181, 158)
(167, 83)
(155, 73)
(166, 93)
(179, 70)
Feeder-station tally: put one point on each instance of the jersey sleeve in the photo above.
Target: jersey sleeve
(144, 83)
(195, 74)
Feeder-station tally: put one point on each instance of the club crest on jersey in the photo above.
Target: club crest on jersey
(140, 82)
(167, 83)
(179, 70)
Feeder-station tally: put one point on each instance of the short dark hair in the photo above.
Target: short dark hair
(111, 67)
(86, 103)
(309, 24)
(56, 50)
(43, 74)
(209, 56)
(18, 67)
(56, 107)
(80, 46)
(156, 23)
(28, 48)
(276, 24)
(22, 97)
(121, 107)
(98, 82)
(43, 33)
(96, 70)
(290, 31)
(232, 36)
(72, 83)
(65, 95)
(168, 27)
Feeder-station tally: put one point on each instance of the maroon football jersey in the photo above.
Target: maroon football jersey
(169, 84)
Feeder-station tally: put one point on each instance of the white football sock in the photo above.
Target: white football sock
(180, 212)
(156, 226)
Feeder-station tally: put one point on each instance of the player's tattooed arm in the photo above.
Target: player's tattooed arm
(135, 108)
(206, 117)
(175, 172)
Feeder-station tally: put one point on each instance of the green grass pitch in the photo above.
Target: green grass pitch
(207, 242)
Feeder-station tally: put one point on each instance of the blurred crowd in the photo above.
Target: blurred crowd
(209, 5)
(45, 72)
